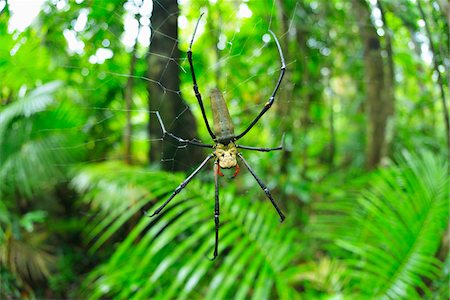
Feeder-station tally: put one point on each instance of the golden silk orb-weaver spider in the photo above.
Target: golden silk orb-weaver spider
(225, 150)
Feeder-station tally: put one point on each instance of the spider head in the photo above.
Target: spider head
(226, 155)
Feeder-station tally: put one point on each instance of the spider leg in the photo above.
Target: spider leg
(216, 207)
(181, 186)
(194, 81)
(272, 97)
(181, 140)
(263, 187)
(259, 149)
(263, 149)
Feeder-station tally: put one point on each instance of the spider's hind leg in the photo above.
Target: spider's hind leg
(216, 207)
(181, 186)
(263, 187)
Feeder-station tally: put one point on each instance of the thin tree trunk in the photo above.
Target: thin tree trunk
(129, 102)
(389, 83)
(378, 102)
(445, 8)
(331, 128)
(163, 90)
(421, 83)
(327, 12)
(306, 92)
(214, 26)
(287, 91)
(440, 81)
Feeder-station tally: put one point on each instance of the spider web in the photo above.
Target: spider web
(210, 68)
(225, 44)
(232, 46)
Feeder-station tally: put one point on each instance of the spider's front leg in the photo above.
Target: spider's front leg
(269, 103)
(194, 82)
(181, 186)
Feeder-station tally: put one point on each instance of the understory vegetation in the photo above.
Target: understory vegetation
(363, 177)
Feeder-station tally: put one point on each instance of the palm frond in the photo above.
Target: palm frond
(167, 256)
(29, 257)
(34, 102)
(395, 229)
(38, 142)
(24, 249)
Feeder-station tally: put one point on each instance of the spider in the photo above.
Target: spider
(225, 150)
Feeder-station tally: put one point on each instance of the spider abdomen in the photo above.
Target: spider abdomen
(223, 125)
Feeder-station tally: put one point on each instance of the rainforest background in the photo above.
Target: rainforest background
(363, 176)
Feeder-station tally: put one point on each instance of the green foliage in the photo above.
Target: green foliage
(385, 244)
(9, 287)
(394, 231)
(71, 212)
(65, 282)
(38, 141)
(171, 251)
(439, 287)
(24, 250)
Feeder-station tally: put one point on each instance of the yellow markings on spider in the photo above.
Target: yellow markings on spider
(226, 155)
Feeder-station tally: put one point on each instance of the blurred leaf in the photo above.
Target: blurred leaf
(395, 230)
(27, 221)
(28, 257)
(326, 275)
(38, 142)
(36, 101)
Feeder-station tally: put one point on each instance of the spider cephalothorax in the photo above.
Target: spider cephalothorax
(226, 155)
(225, 152)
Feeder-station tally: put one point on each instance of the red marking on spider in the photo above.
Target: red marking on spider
(218, 171)
(237, 171)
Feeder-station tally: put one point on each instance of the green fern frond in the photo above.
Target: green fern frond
(167, 256)
(395, 229)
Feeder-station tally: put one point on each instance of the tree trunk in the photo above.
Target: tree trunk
(389, 83)
(445, 8)
(441, 84)
(286, 92)
(163, 92)
(128, 95)
(379, 89)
